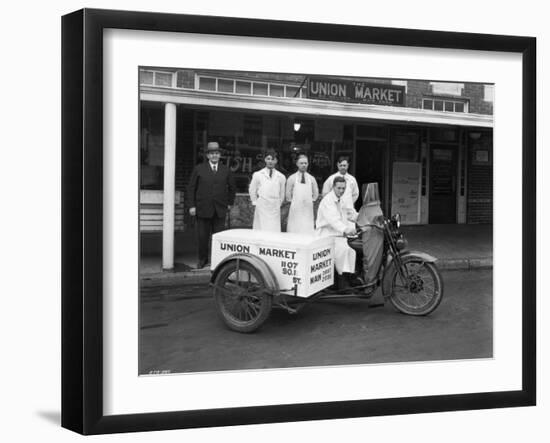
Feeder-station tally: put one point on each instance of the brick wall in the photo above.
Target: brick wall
(480, 182)
(475, 94)
(415, 91)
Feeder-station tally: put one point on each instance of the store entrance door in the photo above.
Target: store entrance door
(443, 184)
(369, 167)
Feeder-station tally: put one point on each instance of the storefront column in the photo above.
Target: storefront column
(169, 186)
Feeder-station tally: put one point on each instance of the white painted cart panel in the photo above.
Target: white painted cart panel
(295, 259)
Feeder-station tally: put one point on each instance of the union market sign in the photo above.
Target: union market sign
(325, 88)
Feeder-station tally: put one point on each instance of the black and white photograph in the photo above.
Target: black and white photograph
(261, 222)
(295, 220)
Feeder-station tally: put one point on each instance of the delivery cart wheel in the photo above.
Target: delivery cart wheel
(421, 292)
(242, 296)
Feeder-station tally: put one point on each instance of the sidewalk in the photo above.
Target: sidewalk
(456, 247)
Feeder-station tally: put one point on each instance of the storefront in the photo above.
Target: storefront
(425, 145)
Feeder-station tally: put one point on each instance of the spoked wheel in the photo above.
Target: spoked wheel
(421, 291)
(242, 296)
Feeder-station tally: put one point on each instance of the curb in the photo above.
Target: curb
(202, 276)
(464, 264)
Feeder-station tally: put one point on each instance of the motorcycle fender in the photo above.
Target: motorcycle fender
(426, 257)
(390, 266)
(255, 261)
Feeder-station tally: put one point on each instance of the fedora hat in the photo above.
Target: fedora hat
(212, 146)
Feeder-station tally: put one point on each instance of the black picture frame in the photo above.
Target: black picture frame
(82, 215)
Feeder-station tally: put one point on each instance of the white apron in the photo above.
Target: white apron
(267, 215)
(331, 214)
(300, 214)
(344, 256)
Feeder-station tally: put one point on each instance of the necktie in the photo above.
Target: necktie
(270, 173)
(303, 178)
(214, 168)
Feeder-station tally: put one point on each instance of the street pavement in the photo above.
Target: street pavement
(180, 331)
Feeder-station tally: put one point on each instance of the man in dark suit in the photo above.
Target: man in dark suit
(211, 193)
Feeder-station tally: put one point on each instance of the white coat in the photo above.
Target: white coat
(301, 197)
(351, 194)
(332, 220)
(267, 194)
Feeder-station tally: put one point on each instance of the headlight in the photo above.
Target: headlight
(397, 218)
(401, 243)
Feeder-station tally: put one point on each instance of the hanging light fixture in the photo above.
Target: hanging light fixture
(297, 126)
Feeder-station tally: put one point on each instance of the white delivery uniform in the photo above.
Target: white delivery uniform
(267, 194)
(332, 220)
(301, 197)
(351, 194)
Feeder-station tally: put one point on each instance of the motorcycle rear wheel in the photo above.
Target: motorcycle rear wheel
(423, 290)
(242, 297)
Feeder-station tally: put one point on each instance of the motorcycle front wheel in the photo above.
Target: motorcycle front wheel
(421, 291)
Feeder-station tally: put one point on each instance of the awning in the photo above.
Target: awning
(309, 107)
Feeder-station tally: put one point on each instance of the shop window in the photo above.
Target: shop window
(321, 161)
(306, 133)
(234, 86)
(375, 132)
(146, 77)
(163, 79)
(243, 87)
(348, 133)
(252, 130)
(292, 91)
(276, 90)
(151, 147)
(225, 85)
(405, 145)
(244, 138)
(444, 104)
(201, 130)
(260, 88)
(243, 150)
(443, 134)
(185, 79)
(481, 148)
(207, 83)
(156, 78)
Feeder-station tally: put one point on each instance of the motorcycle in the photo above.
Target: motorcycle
(247, 284)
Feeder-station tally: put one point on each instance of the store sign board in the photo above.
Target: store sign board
(326, 88)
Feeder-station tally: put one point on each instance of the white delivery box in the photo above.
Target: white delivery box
(306, 262)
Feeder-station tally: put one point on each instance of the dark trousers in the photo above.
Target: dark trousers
(373, 245)
(205, 228)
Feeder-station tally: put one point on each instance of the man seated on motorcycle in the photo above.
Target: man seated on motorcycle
(335, 220)
(369, 221)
